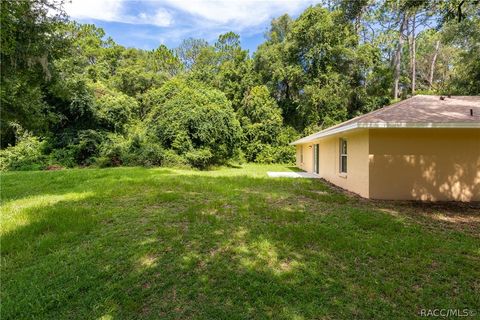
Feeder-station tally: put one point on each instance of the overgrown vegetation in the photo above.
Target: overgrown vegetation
(135, 243)
(85, 100)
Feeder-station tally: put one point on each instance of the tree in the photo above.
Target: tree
(228, 46)
(311, 64)
(354, 11)
(433, 58)
(114, 109)
(195, 121)
(164, 60)
(261, 121)
(262, 124)
(235, 70)
(397, 61)
(465, 37)
(85, 97)
(189, 51)
(275, 68)
(30, 41)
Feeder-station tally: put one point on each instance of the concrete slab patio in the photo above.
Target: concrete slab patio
(272, 174)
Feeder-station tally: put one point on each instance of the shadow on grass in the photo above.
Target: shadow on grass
(295, 169)
(32, 183)
(233, 165)
(145, 244)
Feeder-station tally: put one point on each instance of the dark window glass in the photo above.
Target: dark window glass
(343, 155)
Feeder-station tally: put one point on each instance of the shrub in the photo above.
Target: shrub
(63, 156)
(146, 155)
(115, 110)
(111, 152)
(136, 149)
(75, 147)
(276, 154)
(200, 158)
(27, 154)
(87, 146)
(172, 159)
(142, 148)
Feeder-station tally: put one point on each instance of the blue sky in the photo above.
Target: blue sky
(146, 24)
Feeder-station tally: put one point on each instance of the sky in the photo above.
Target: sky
(146, 24)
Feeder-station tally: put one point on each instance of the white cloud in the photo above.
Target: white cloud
(107, 10)
(161, 18)
(238, 13)
(115, 10)
(187, 18)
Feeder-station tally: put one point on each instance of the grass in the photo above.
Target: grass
(231, 243)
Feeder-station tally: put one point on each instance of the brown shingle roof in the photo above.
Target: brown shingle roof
(420, 111)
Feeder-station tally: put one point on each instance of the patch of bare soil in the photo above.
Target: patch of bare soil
(54, 167)
(460, 216)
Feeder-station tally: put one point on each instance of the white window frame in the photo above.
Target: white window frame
(342, 155)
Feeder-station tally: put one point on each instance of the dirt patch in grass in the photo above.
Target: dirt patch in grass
(54, 167)
(458, 216)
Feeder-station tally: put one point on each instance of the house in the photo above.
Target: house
(422, 148)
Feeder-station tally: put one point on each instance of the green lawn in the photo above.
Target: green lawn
(129, 243)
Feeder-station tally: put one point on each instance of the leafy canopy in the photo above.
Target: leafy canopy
(189, 117)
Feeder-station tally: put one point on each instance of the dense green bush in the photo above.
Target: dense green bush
(115, 110)
(111, 151)
(63, 156)
(135, 149)
(188, 124)
(27, 154)
(173, 159)
(87, 146)
(200, 158)
(265, 138)
(146, 154)
(188, 117)
(276, 154)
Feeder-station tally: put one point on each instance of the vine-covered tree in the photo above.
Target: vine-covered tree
(195, 121)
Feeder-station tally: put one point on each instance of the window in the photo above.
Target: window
(316, 150)
(343, 156)
(301, 154)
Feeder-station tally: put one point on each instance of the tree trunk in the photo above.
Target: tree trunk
(398, 57)
(432, 65)
(357, 25)
(413, 55)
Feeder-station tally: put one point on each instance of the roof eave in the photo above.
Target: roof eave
(366, 125)
(324, 133)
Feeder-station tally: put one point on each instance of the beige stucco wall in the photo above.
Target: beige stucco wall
(403, 164)
(307, 163)
(356, 179)
(425, 164)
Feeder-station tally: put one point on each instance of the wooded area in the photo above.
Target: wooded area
(71, 96)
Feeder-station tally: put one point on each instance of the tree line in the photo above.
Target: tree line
(70, 96)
